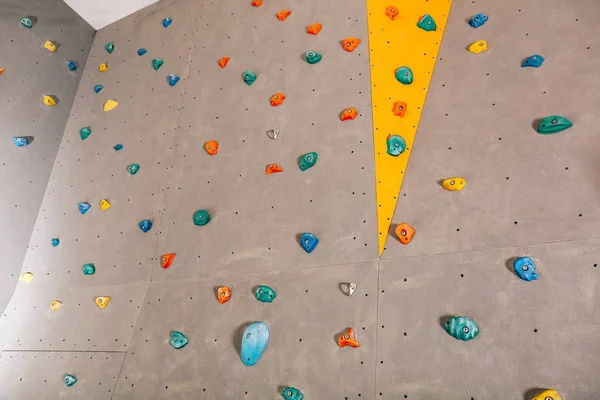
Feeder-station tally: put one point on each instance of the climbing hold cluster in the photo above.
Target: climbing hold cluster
(348, 338)
(254, 342)
(265, 294)
(462, 328)
(405, 233)
(553, 124)
(404, 75)
(309, 242)
(396, 145)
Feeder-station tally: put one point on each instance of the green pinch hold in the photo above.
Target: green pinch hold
(265, 294)
(308, 161)
(427, 23)
(69, 380)
(201, 218)
(249, 77)
(88, 269)
(553, 124)
(312, 57)
(157, 63)
(85, 132)
(395, 145)
(178, 340)
(133, 168)
(404, 75)
(27, 22)
(462, 328)
(110, 47)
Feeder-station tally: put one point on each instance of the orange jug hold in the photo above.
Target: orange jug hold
(405, 232)
(350, 44)
(348, 114)
(283, 14)
(166, 260)
(211, 147)
(273, 168)
(347, 338)
(277, 99)
(223, 294)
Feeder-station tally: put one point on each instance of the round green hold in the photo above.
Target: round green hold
(312, 57)
(308, 160)
(201, 218)
(133, 168)
(404, 75)
(395, 145)
(88, 269)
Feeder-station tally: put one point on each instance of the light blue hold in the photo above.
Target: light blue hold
(534, 61)
(478, 20)
(255, 340)
(98, 88)
(142, 51)
(84, 206)
(167, 22)
(525, 269)
(173, 79)
(55, 242)
(72, 66)
(21, 141)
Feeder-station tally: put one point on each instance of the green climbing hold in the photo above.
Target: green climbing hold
(291, 393)
(27, 22)
(133, 168)
(462, 328)
(88, 269)
(308, 161)
(201, 218)
(312, 57)
(395, 145)
(69, 380)
(553, 124)
(178, 340)
(110, 47)
(157, 63)
(427, 23)
(404, 75)
(265, 294)
(249, 77)
(85, 132)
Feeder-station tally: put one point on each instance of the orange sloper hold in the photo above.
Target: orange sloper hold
(166, 260)
(257, 3)
(405, 232)
(223, 294)
(1, 71)
(272, 168)
(211, 147)
(348, 114)
(392, 12)
(347, 339)
(399, 109)
(277, 99)
(314, 29)
(223, 62)
(350, 44)
(283, 14)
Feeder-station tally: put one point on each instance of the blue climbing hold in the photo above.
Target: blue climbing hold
(173, 79)
(534, 61)
(118, 147)
(98, 88)
(255, 339)
(427, 23)
(84, 206)
(72, 66)
(167, 22)
(291, 393)
(88, 269)
(142, 51)
(525, 269)
(462, 328)
(55, 242)
(178, 340)
(249, 77)
(146, 225)
(27, 22)
(69, 380)
(395, 145)
(308, 241)
(21, 141)
(404, 75)
(477, 20)
(85, 132)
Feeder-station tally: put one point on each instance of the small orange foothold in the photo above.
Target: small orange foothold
(347, 339)
(272, 168)
(211, 147)
(277, 99)
(166, 260)
(1, 71)
(350, 44)
(348, 113)
(223, 62)
(399, 109)
(224, 294)
(392, 12)
(314, 29)
(257, 3)
(405, 232)
(283, 14)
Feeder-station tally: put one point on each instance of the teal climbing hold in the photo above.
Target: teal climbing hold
(254, 342)
(201, 218)
(20, 141)
(72, 66)
(404, 75)
(427, 23)
(98, 88)
(395, 145)
(88, 269)
(178, 340)
(118, 147)
(308, 160)
(462, 328)
(142, 51)
(291, 393)
(249, 77)
(27, 22)
(312, 57)
(84, 206)
(85, 132)
(167, 22)
(173, 79)
(157, 63)
(133, 168)
(55, 242)
(553, 124)
(69, 380)
(265, 294)
(110, 47)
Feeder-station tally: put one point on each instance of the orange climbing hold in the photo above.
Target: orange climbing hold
(347, 339)
(399, 109)
(314, 29)
(272, 168)
(224, 294)
(211, 147)
(223, 62)
(166, 260)
(348, 113)
(1, 71)
(350, 44)
(405, 232)
(277, 99)
(392, 12)
(283, 14)
(257, 3)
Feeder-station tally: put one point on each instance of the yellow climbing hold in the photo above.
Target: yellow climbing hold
(104, 204)
(454, 184)
(26, 277)
(110, 104)
(50, 46)
(103, 67)
(49, 101)
(478, 47)
(102, 301)
(55, 305)
(548, 394)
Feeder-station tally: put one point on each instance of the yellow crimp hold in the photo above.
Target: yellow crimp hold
(49, 101)
(102, 301)
(110, 104)
(454, 184)
(478, 47)
(50, 46)
(104, 204)
(55, 305)
(26, 277)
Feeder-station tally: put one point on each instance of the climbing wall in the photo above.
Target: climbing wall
(30, 72)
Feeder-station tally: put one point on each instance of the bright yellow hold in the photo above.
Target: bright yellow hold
(103, 67)
(50, 46)
(104, 204)
(478, 47)
(548, 395)
(102, 301)
(26, 277)
(49, 101)
(55, 305)
(454, 184)
(110, 104)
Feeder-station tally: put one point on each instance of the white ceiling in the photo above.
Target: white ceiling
(100, 13)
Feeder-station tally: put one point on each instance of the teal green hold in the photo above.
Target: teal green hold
(291, 393)
(157, 63)
(69, 380)
(427, 23)
(201, 218)
(249, 77)
(110, 47)
(265, 294)
(85, 132)
(395, 145)
(178, 340)
(308, 161)
(27, 22)
(553, 124)
(312, 57)
(88, 269)
(404, 75)
(133, 168)
(462, 328)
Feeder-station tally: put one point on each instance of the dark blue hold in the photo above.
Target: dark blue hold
(309, 242)
(173, 79)
(55, 242)
(146, 225)
(534, 61)
(21, 141)
(98, 88)
(118, 147)
(167, 22)
(142, 51)
(72, 66)
(84, 206)
(525, 269)
(477, 20)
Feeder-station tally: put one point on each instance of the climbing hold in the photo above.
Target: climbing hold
(462, 328)
(535, 61)
(395, 145)
(201, 218)
(399, 109)
(348, 114)
(273, 133)
(20, 141)
(84, 206)
(314, 29)
(277, 99)
(50, 46)
(391, 12)
(348, 288)
(347, 338)
(525, 269)
(265, 294)
(142, 51)
(49, 101)
(55, 305)
(477, 20)
(254, 341)
(110, 47)
(283, 14)
(145, 225)
(118, 147)
(223, 294)
(349, 44)
(2, 71)
(427, 23)
(272, 168)
(98, 88)
(26, 277)
(85, 132)
(309, 242)
(27, 22)
(553, 124)
(291, 393)
(104, 204)
(312, 57)
(157, 63)
(223, 61)
(166, 260)
(405, 232)
(55, 242)
(102, 301)
(548, 395)
(173, 79)
(69, 380)
(308, 160)
(133, 168)
(478, 47)
(72, 66)
(167, 22)
(178, 340)
(256, 3)
(110, 104)
(103, 67)
(211, 147)
(454, 184)
(249, 77)
(88, 269)
(404, 75)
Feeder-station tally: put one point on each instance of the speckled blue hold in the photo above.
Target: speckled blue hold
(173, 79)
(255, 340)
(308, 241)
(525, 269)
(72, 66)
(118, 147)
(142, 51)
(55, 242)
(477, 20)
(146, 225)
(98, 88)
(534, 61)
(21, 141)
(167, 22)
(84, 206)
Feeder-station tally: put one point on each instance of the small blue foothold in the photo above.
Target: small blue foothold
(21, 141)
(525, 269)
(142, 51)
(118, 147)
(84, 206)
(146, 225)
(477, 20)
(167, 22)
(72, 66)
(535, 61)
(173, 79)
(98, 88)
(55, 242)
(309, 242)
